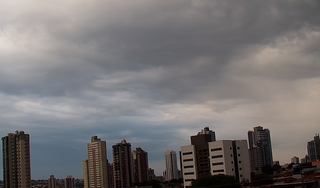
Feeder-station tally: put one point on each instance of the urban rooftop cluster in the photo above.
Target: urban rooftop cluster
(204, 156)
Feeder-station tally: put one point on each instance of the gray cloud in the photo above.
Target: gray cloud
(157, 72)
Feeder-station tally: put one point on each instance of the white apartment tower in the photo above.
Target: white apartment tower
(95, 168)
(171, 165)
(209, 157)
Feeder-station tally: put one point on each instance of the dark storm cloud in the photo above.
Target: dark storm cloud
(156, 71)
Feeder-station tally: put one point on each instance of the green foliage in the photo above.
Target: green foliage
(220, 180)
(153, 183)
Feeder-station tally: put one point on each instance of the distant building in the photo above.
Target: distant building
(110, 175)
(86, 183)
(95, 168)
(260, 148)
(303, 160)
(314, 149)
(151, 174)
(52, 182)
(295, 160)
(69, 182)
(228, 157)
(16, 160)
(122, 165)
(140, 165)
(171, 165)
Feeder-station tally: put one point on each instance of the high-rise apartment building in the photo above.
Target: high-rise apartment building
(171, 165)
(122, 165)
(151, 174)
(52, 182)
(95, 168)
(295, 160)
(140, 165)
(201, 147)
(69, 182)
(207, 156)
(16, 160)
(314, 149)
(86, 174)
(260, 148)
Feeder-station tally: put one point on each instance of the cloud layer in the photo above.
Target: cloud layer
(155, 73)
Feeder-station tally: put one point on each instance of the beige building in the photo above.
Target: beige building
(16, 160)
(95, 168)
(205, 156)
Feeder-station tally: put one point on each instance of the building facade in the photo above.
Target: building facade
(295, 160)
(228, 157)
(260, 148)
(314, 149)
(122, 165)
(52, 182)
(140, 165)
(69, 182)
(16, 160)
(171, 165)
(95, 168)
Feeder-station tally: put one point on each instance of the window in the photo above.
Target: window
(216, 149)
(238, 147)
(189, 166)
(231, 162)
(186, 160)
(232, 169)
(187, 153)
(216, 156)
(188, 173)
(240, 168)
(239, 155)
(214, 171)
(239, 161)
(231, 155)
(230, 148)
(189, 179)
(219, 163)
(241, 175)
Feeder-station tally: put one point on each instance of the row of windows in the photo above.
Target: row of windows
(189, 166)
(189, 173)
(186, 160)
(219, 163)
(216, 149)
(216, 156)
(220, 170)
(187, 153)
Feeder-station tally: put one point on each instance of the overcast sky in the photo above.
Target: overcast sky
(155, 73)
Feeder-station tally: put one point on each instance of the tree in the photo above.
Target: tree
(153, 183)
(221, 180)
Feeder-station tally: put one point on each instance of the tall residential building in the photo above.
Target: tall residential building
(122, 165)
(152, 176)
(314, 149)
(228, 157)
(69, 182)
(110, 175)
(52, 182)
(201, 147)
(260, 148)
(140, 165)
(171, 165)
(16, 160)
(95, 169)
(85, 174)
(295, 160)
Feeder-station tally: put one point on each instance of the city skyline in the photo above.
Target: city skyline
(156, 72)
